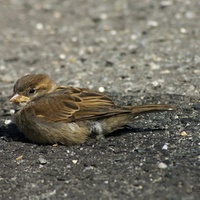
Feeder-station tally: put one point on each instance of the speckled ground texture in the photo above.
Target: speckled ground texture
(136, 51)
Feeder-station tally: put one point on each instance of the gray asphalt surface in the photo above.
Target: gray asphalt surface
(136, 51)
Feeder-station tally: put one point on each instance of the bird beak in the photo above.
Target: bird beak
(16, 98)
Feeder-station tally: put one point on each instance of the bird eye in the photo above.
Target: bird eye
(32, 90)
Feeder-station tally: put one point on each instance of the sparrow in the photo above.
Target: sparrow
(52, 114)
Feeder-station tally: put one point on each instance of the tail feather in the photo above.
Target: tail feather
(151, 108)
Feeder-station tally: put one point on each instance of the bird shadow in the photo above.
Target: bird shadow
(10, 132)
(128, 129)
(123, 131)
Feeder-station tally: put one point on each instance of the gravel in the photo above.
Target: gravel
(136, 51)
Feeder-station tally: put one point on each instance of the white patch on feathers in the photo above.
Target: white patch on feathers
(97, 128)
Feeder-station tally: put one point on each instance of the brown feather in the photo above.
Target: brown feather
(65, 106)
(62, 105)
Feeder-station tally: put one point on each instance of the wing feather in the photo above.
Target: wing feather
(69, 104)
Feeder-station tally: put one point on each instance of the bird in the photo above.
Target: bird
(54, 114)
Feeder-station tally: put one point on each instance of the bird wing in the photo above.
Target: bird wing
(69, 104)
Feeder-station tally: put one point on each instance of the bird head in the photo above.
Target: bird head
(32, 86)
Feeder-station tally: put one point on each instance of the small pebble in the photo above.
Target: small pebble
(101, 89)
(42, 161)
(164, 4)
(155, 83)
(68, 151)
(184, 133)
(7, 121)
(7, 78)
(74, 39)
(165, 147)
(103, 16)
(183, 30)
(19, 158)
(156, 58)
(113, 32)
(2, 67)
(12, 111)
(62, 56)
(72, 59)
(90, 49)
(154, 66)
(75, 161)
(196, 106)
(197, 71)
(69, 166)
(162, 165)
(140, 187)
(165, 72)
(39, 26)
(57, 15)
(133, 37)
(152, 23)
(132, 48)
(101, 40)
(190, 15)
(88, 168)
